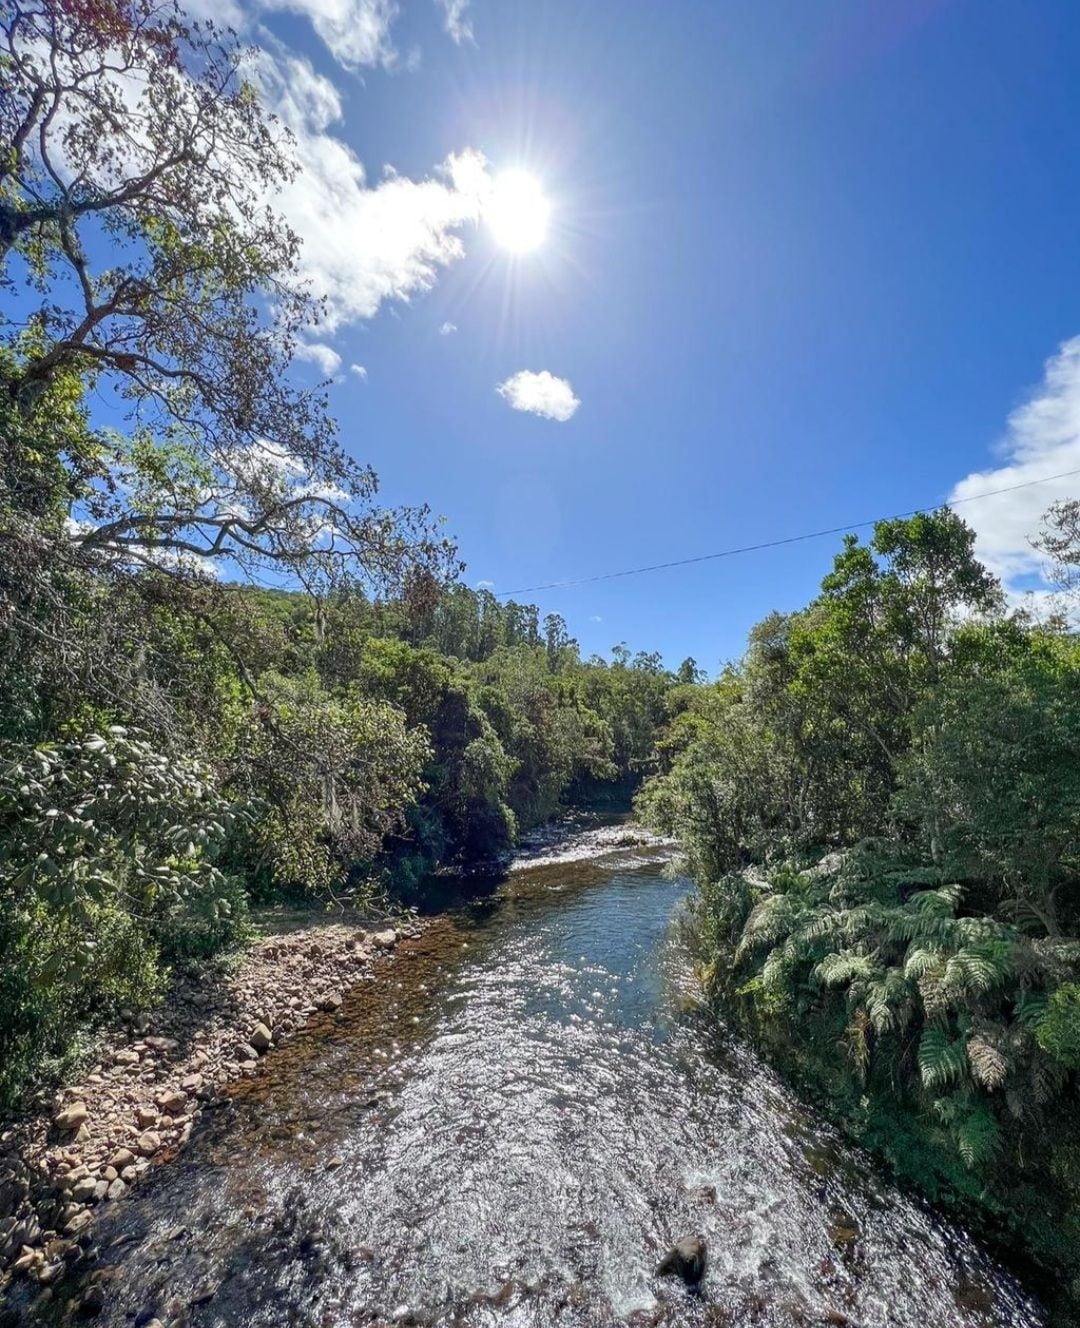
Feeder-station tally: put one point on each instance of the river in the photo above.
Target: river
(513, 1129)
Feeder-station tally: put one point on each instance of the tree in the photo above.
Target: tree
(136, 231)
(998, 748)
(1059, 539)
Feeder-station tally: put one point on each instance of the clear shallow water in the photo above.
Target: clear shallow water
(513, 1131)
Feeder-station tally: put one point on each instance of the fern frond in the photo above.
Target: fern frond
(888, 1002)
(977, 1136)
(921, 961)
(988, 1065)
(1031, 1008)
(940, 903)
(941, 1062)
(839, 970)
(976, 969)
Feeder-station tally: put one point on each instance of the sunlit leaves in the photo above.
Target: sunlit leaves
(103, 815)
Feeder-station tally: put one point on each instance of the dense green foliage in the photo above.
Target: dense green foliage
(881, 803)
(174, 741)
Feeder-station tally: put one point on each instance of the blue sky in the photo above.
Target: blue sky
(807, 263)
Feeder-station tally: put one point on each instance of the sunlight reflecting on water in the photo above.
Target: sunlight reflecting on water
(520, 1124)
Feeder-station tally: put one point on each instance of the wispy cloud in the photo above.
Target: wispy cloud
(596, 618)
(356, 32)
(364, 244)
(456, 20)
(328, 360)
(1042, 438)
(447, 329)
(540, 394)
(359, 370)
(485, 585)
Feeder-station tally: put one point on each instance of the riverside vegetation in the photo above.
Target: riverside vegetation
(881, 805)
(176, 745)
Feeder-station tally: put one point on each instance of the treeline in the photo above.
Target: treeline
(170, 754)
(174, 741)
(881, 803)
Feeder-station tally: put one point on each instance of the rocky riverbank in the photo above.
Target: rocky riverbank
(153, 1078)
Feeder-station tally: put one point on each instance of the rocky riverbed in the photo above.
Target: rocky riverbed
(153, 1078)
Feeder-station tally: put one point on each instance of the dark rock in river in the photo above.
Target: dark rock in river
(686, 1259)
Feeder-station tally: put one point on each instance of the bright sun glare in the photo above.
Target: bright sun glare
(517, 211)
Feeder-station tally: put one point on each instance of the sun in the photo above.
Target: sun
(517, 211)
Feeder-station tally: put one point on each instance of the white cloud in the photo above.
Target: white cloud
(455, 20)
(364, 244)
(224, 13)
(359, 370)
(328, 360)
(356, 32)
(596, 618)
(540, 394)
(1042, 438)
(447, 329)
(485, 585)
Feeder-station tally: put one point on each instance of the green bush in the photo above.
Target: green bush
(58, 981)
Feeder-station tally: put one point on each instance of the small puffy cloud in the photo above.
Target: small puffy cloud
(356, 32)
(447, 329)
(596, 618)
(328, 360)
(456, 21)
(540, 394)
(1042, 438)
(359, 370)
(485, 585)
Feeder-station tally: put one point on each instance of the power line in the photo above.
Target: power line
(777, 543)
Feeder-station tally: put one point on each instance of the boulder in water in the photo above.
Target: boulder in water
(685, 1259)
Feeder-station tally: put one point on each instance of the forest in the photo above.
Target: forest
(881, 805)
(227, 674)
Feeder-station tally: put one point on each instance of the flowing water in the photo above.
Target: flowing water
(513, 1129)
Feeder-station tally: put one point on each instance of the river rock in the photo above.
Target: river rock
(148, 1142)
(245, 1052)
(685, 1259)
(172, 1102)
(261, 1038)
(71, 1118)
(78, 1221)
(26, 1260)
(84, 1189)
(162, 1043)
(385, 940)
(123, 1157)
(331, 1002)
(145, 1117)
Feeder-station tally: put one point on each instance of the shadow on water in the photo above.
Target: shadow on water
(513, 1129)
